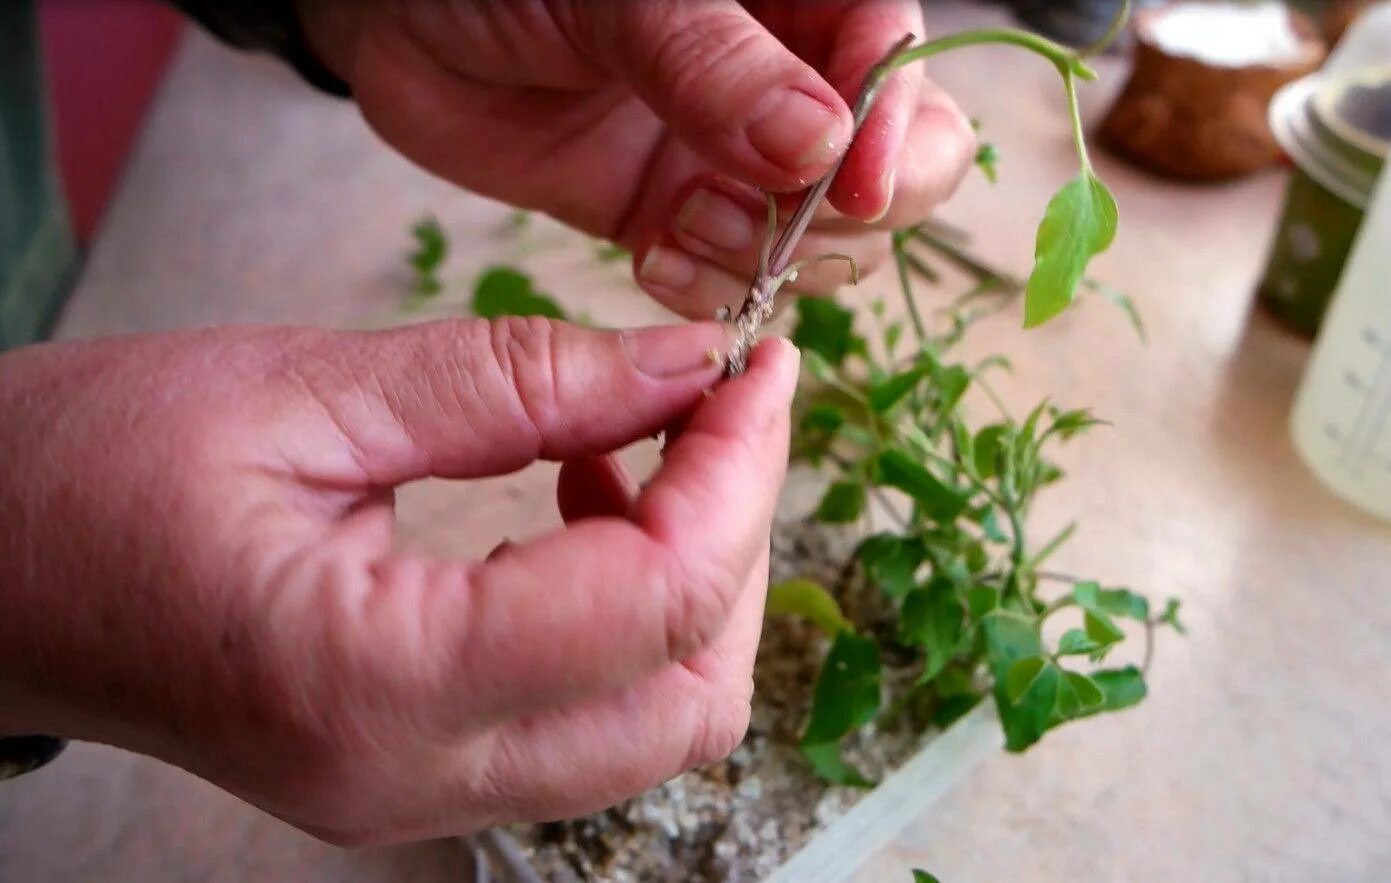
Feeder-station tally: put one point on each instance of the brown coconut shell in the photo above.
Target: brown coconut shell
(1187, 118)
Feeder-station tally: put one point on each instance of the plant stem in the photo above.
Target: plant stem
(1062, 57)
(906, 284)
(1074, 109)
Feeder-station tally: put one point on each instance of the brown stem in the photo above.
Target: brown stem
(758, 306)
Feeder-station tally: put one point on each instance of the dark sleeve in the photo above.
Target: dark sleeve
(265, 26)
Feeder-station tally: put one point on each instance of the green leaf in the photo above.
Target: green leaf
(823, 418)
(432, 246)
(1075, 642)
(843, 503)
(987, 159)
(1069, 423)
(1123, 602)
(1086, 690)
(892, 335)
(883, 396)
(1079, 224)
(1008, 639)
(1097, 621)
(1170, 616)
(932, 619)
(921, 876)
(507, 291)
(981, 600)
(938, 500)
(1101, 629)
(1120, 688)
(1021, 676)
(825, 328)
(847, 692)
(988, 445)
(951, 384)
(809, 600)
(827, 763)
(891, 562)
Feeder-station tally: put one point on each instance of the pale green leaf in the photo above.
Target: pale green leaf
(1079, 224)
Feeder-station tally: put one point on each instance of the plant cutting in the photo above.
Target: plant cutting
(915, 589)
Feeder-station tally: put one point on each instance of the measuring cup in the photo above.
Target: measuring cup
(1342, 413)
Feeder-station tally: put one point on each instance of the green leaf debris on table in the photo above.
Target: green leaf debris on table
(507, 291)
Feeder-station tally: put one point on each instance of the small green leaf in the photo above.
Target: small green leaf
(1079, 224)
(506, 291)
(432, 246)
(1170, 616)
(1123, 602)
(809, 600)
(883, 396)
(1021, 676)
(1075, 642)
(847, 692)
(1097, 621)
(981, 600)
(1069, 423)
(823, 418)
(891, 562)
(892, 335)
(1120, 687)
(1086, 690)
(938, 500)
(988, 445)
(951, 384)
(932, 619)
(1101, 629)
(825, 328)
(1008, 639)
(921, 876)
(987, 159)
(990, 526)
(843, 503)
(827, 763)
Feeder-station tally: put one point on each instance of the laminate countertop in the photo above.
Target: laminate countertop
(1264, 749)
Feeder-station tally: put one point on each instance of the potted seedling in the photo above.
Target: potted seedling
(914, 622)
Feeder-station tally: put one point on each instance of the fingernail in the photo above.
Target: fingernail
(667, 268)
(798, 132)
(677, 350)
(886, 186)
(716, 220)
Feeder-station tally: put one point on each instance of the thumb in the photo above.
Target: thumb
(730, 89)
(467, 399)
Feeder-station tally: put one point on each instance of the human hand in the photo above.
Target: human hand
(652, 123)
(196, 563)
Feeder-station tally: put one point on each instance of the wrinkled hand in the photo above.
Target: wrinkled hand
(651, 123)
(196, 563)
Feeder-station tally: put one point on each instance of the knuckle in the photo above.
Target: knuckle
(721, 726)
(699, 601)
(689, 59)
(525, 351)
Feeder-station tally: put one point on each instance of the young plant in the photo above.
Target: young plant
(966, 588)
(1080, 221)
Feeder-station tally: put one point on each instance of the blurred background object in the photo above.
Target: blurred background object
(1335, 126)
(1072, 22)
(1204, 74)
(1342, 414)
(78, 77)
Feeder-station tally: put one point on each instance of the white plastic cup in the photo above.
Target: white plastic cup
(1342, 414)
